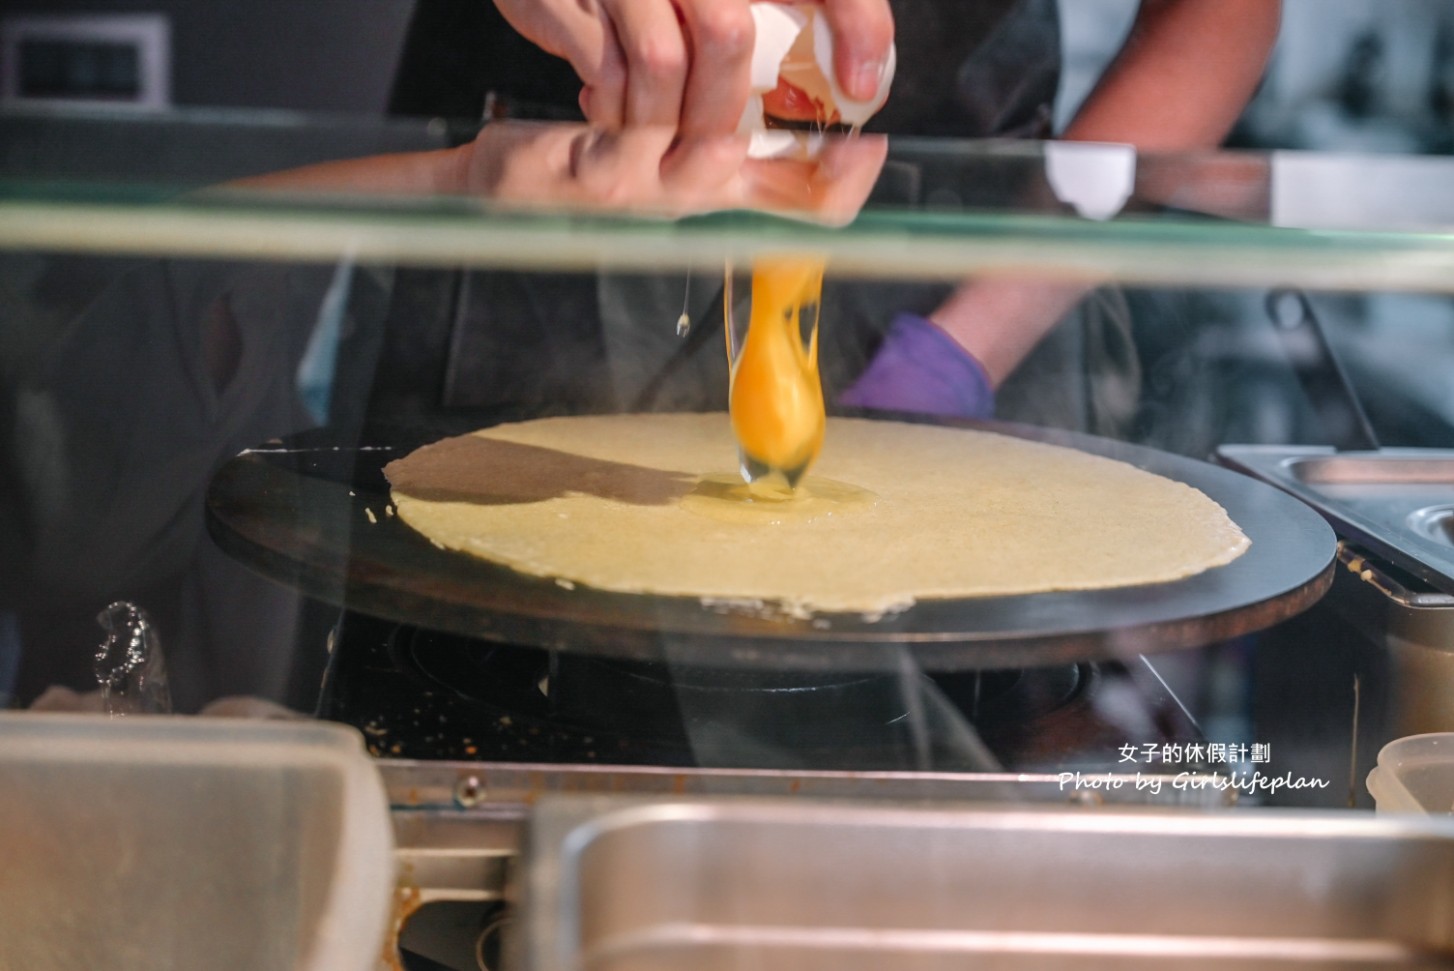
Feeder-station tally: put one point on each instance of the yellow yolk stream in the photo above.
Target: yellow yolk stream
(776, 398)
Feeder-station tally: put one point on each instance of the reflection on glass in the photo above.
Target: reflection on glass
(653, 172)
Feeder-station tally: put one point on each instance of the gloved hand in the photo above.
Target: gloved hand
(920, 368)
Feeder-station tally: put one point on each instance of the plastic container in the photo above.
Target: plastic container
(182, 843)
(1415, 774)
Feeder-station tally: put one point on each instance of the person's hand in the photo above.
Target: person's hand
(642, 171)
(685, 64)
(580, 168)
(919, 368)
(651, 170)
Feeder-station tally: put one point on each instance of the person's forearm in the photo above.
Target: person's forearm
(1183, 76)
(1180, 82)
(1000, 321)
(402, 173)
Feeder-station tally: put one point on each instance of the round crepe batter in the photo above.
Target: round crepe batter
(908, 512)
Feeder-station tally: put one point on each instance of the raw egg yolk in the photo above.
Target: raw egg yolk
(791, 103)
(776, 399)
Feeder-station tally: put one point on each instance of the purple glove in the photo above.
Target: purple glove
(920, 368)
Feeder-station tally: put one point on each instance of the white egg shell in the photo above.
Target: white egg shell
(779, 143)
(772, 143)
(777, 27)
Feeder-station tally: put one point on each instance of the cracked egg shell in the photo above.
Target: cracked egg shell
(792, 70)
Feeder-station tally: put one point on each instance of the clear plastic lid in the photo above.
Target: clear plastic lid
(1415, 774)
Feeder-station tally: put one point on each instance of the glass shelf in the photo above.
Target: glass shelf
(938, 210)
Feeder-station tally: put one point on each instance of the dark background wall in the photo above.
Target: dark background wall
(305, 55)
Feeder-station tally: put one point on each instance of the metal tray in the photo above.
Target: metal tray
(1397, 502)
(458, 826)
(762, 884)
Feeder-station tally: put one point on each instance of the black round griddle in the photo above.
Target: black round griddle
(298, 512)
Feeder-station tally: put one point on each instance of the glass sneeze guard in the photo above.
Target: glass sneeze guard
(939, 209)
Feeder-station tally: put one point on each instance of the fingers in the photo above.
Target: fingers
(720, 36)
(523, 163)
(849, 169)
(826, 182)
(655, 50)
(680, 63)
(603, 99)
(648, 171)
(702, 174)
(863, 31)
(687, 63)
(583, 34)
(620, 170)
